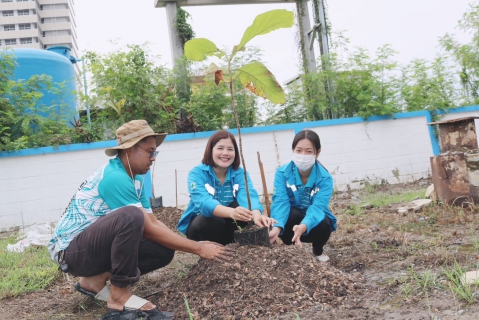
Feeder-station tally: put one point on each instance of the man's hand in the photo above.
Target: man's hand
(273, 234)
(262, 221)
(298, 231)
(241, 214)
(214, 251)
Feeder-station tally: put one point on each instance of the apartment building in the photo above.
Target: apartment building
(38, 24)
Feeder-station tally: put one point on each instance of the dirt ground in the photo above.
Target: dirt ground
(384, 265)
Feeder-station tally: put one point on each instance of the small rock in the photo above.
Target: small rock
(460, 312)
(366, 206)
(421, 219)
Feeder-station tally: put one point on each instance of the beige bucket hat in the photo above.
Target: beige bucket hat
(131, 133)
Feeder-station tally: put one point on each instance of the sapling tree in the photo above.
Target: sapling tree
(254, 76)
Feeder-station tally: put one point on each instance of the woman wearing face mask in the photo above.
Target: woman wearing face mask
(218, 203)
(303, 189)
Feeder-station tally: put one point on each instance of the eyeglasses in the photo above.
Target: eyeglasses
(151, 154)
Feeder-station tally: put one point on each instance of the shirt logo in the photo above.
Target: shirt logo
(193, 186)
(235, 190)
(210, 189)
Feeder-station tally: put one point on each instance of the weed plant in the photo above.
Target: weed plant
(190, 315)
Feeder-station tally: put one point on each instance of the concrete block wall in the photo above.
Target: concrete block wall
(37, 184)
(395, 150)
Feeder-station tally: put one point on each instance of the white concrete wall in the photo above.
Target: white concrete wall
(37, 188)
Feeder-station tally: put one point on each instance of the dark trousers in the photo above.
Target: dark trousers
(214, 229)
(319, 235)
(115, 243)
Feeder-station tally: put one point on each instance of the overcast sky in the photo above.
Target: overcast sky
(412, 27)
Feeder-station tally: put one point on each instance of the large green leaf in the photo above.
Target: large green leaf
(259, 80)
(265, 23)
(199, 48)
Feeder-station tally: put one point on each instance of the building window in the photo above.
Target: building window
(7, 13)
(0, 43)
(7, 0)
(25, 12)
(10, 42)
(9, 27)
(25, 40)
(24, 26)
(22, 0)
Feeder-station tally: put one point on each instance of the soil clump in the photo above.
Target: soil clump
(260, 283)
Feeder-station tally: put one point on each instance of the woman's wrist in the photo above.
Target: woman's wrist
(256, 211)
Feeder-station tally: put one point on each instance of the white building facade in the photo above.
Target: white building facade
(38, 24)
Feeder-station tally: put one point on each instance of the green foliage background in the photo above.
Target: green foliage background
(130, 84)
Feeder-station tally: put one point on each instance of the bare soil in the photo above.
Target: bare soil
(376, 256)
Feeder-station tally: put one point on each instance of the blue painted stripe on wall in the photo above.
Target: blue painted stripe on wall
(459, 110)
(432, 135)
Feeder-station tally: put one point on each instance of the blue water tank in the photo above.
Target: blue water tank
(57, 63)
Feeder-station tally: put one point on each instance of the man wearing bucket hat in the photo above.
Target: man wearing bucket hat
(108, 231)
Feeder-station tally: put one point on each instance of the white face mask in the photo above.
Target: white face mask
(304, 162)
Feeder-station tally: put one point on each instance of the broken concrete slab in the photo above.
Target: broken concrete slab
(471, 277)
(431, 193)
(429, 190)
(414, 205)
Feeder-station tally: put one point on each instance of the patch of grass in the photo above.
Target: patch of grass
(354, 210)
(384, 199)
(457, 285)
(421, 282)
(475, 241)
(25, 272)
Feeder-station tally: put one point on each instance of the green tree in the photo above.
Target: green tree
(362, 85)
(428, 86)
(127, 85)
(466, 55)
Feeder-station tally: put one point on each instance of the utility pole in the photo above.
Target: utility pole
(320, 25)
(177, 53)
(306, 37)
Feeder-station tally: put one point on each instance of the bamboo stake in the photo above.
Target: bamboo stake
(265, 188)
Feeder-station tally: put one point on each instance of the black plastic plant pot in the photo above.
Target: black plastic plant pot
(156, 202)
(252, 237)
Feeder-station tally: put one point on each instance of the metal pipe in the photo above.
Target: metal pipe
(86, 92)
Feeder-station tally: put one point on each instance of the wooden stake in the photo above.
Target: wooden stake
(176, 188)
(265, 188)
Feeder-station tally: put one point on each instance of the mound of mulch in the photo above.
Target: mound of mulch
(260, 282)
(169, 216)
